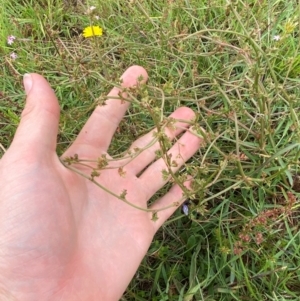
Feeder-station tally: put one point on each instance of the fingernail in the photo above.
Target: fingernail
(27, 81)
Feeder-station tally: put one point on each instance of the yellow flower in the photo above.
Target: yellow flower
(289, 26)
(92, 31)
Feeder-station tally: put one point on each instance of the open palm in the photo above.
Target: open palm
(61, 236)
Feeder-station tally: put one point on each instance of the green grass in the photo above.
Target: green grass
(241, 240)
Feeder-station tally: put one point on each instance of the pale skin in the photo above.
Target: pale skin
(61, 236)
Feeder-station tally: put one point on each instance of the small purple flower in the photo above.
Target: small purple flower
(185, 208)
(10, 40)
(13, 56)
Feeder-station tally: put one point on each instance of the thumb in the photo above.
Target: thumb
(37, 131)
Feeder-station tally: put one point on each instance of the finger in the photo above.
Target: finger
(37, 131)
(152, 178)
(173, 196)
(96, 135)
(148, 154)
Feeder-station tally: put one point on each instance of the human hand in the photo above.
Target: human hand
(61, 236)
